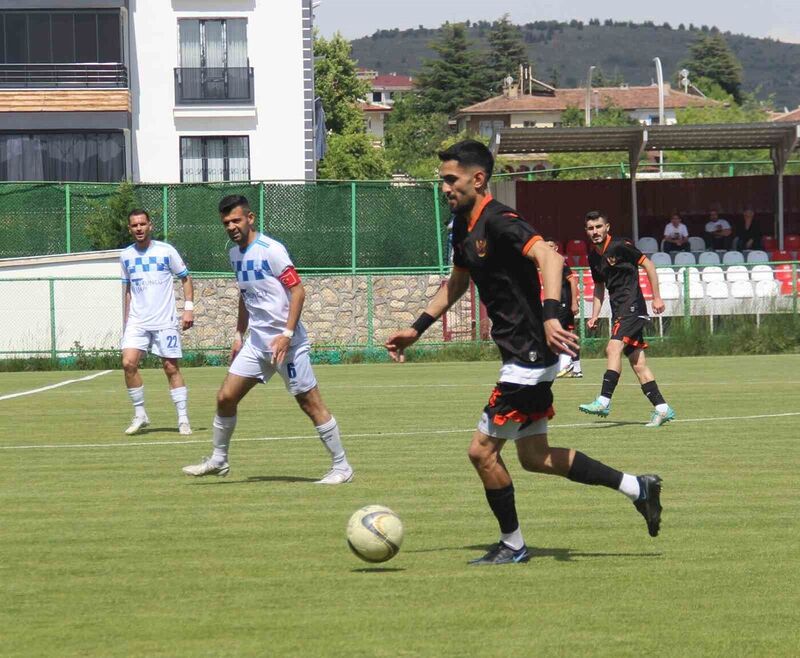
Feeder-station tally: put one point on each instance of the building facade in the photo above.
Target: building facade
(156, 91)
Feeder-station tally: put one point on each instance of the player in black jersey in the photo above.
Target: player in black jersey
(500, 251)
(568, 365)
(615, 266)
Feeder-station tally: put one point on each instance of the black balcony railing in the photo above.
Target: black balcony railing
(63, 76)
(214, 85)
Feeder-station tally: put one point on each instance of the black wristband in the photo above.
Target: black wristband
(422, 323)
(550, 309)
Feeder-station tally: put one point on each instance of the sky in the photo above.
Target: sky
(779, 19)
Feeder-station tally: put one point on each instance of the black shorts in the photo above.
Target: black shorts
(630, 330)
(520, 403)
(567, 319)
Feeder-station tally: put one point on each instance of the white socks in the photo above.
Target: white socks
(513, 539)
(223, 430)
(630, 486)
(179, 397)
(329, 435)
(662, 408)
(576, 366)
(564, 361)
(137, 397)
(602, 399)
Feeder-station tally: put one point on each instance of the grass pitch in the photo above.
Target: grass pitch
(108, 550)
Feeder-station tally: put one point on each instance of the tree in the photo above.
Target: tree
(412, 137)
(711, 58)
(107, 224)
(506, 52)
(456, 79)
(352, 156)
(338, 85)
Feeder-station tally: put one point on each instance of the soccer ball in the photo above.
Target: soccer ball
(374, 533)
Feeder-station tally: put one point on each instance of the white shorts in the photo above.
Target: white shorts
(511, 431)
(165, 343)
(296, 371)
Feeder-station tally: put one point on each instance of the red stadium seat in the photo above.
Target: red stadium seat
(776, 256)
(582, 261)
(768, 243)
(791, 242)
(787, 288)
(644, 282)
(588, 285)
(576, 248)
(783, 273)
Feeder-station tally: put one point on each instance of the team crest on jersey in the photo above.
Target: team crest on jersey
(480, 248)
(612, 260)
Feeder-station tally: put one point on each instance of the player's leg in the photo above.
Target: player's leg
(662, 412)
(602, 404)
(167, 345)
(536, 455)
(132, 353)
(564, 359)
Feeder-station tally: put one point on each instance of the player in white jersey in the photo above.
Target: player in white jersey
(270, 303)
(150, 323)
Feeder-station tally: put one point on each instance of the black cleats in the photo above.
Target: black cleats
(649, 502)
(501, 553)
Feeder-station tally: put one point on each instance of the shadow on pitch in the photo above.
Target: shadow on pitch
(558, 554)
(377, 570)
(259, 478)
(166, 430)
(605, 424)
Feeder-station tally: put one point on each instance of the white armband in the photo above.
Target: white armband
(188, 305)
(288, 333)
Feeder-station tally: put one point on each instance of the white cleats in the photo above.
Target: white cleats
(337, 476)
(137, 424)
(207, 467)
(184, 429)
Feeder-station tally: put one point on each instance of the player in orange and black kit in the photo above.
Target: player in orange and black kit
(568, 365)
(615, 265)
(500, 252)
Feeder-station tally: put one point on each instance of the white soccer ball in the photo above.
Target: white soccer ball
(375, 533)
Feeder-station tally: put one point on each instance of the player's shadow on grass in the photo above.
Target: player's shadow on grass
(167, 430)
(606, 424)
(558, 554)
(261, 478)
(377, 570)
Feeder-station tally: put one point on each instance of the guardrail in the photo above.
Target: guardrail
(64, 76)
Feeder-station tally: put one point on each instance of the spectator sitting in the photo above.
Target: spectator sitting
(676, 235)
(750, 236)
(719, 233)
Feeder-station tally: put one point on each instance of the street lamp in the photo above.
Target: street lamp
(587, 117)
(660, 78)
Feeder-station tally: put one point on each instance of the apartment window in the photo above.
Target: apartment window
(529, 124)
(377, 96)
(210, 159)
(487, 128)
(213, 60)
(62, 156)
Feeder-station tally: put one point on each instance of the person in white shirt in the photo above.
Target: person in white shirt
(270, 303)
(719, 233)
(149, 321)
(676, 235)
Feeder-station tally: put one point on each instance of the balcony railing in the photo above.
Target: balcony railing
(63, 76)
(195, 86)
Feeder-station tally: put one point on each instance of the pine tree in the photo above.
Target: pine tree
(711, 58)
(338, 85)
(457, 78)
(506, 52)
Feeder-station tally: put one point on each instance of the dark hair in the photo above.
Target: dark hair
(138, 211)
(470, 153)
(228, 203)
(595, 214)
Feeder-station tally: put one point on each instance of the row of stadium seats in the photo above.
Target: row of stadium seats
(724, 290)
(649, 245)
(732, 273)
(713, 258)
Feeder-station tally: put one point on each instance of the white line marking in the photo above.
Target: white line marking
(52, 386)
(131, 444)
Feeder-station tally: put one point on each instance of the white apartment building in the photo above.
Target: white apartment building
(156, 90)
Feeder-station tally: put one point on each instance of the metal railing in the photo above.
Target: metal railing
(64, 76)
(206, 85)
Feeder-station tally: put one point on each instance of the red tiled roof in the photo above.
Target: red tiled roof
(373, 107)
(392, 80)
(794, 115)
(632, 98)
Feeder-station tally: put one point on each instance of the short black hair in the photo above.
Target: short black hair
(470, 153)
(592, 215)
(138, 211)
(228, 203)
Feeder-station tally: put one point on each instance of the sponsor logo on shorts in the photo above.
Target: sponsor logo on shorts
(480, 248)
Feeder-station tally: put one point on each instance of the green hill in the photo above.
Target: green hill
(566, 50)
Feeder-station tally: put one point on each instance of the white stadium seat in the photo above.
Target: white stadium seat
(708, 258)
(685, 258)
(732, 258)
(692, 272)
(737, 273)
(660, 258)
(767, 288)
(647, 245)
(670, 290)
(712, 273)
(696, 290)
(757, 256)
(717, 290)
(665, 275)
(696, 243)
(741, 289)
(761, 273)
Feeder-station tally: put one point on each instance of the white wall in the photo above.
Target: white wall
(275, 124)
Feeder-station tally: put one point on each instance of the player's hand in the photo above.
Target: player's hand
(237, 346)
(592, 323)
(279, 346)
(559, 340)
(658, 305)
(398, 342)
(574, 310)
(188, 320)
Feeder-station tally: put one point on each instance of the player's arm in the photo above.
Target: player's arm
(297, 297)
(444, 298)
(551, 265)
(126, 306)
(188, 302)
(652, 276)
(573, 286)
(242, 320)
(597, 304)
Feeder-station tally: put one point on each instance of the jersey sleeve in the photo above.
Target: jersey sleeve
(176, 264)
(124, 270)
(628, 252)
(456, 238)
(513, 231)
(281, 265)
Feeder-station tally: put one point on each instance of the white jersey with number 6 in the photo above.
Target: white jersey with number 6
(149, 274)
(265, 272)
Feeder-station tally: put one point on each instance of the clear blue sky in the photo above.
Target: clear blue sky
(779, 19)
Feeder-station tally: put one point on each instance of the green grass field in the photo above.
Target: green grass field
(108, 550)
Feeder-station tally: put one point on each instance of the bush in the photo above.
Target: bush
(107, 225)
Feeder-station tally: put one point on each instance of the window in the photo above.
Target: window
(210, 159)
(486, 128)
(377, 97)
(529, 124)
